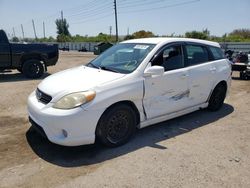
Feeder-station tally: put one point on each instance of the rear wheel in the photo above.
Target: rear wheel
(217, 98)
(33, 69)
(116, 126)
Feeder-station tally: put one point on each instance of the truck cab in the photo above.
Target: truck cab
(5, 51)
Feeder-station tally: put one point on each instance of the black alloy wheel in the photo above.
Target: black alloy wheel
(116, 125)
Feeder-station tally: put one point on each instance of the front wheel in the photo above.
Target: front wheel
(33, 69)
(116, 126)
(217, 98)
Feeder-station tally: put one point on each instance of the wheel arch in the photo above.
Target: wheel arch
(222, 82)
(126, 102)
(32, 56)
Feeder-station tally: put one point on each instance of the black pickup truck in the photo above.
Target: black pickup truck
(30, 59)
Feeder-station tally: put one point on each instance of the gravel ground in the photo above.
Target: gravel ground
(201, 149)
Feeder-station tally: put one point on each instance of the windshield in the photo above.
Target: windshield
(122, 58)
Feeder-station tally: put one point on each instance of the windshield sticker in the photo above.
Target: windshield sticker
(141, 47)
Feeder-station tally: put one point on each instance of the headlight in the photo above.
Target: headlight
(74, 100)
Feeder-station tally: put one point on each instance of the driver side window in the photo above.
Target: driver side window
(170, 58)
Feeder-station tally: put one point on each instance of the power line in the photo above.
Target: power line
(92, 11)
(161, 7)
(140, 3)
(94, 19)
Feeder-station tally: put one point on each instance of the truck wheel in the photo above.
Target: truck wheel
(116, 125)
(241, 75)
(33, 68)
(217, 98)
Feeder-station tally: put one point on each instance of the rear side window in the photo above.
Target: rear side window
(196, 54)
(217, 52)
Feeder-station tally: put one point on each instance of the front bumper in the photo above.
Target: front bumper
(64, 127)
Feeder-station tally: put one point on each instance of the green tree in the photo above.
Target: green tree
(197, 35)
(62, 30)
(128, 37)
(241, 33)
(143, 34)
(15, 39)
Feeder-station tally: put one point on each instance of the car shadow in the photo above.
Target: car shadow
(147, 137)
(16, 76)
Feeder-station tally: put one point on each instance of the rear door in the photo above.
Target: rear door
(5, 52)
(201, 72)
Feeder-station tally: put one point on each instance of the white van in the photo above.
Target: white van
(132, 85)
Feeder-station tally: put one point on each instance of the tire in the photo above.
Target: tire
(33, 69)
(116, 125)
(217, 98)
(241, 76)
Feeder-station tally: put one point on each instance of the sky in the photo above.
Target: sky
(90, 17)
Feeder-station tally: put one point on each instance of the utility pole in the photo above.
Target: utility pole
(34, 28)
(62, 22)
(62, 15)
(110, 31)
(116, 25)
(14, 33)
(128, 31)
(44, 30)
(22, 30)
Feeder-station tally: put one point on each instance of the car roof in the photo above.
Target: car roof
(165, 40)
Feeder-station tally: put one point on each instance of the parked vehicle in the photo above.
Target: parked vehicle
(30, 59)
(83, 49)
(65, 48)
(132, 85)
(101, 47)
(241, 64)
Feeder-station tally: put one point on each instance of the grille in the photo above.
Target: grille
(43, 97)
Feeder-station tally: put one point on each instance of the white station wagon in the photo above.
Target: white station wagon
(132, 85)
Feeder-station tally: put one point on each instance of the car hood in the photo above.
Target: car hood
(76, 79)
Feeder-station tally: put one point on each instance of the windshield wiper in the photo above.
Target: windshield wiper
(93, 65)
(108, 69)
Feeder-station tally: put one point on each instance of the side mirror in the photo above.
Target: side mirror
(154, 71)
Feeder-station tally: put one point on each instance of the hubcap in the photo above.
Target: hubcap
(118, 127)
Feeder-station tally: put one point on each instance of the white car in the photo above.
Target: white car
(132, 85)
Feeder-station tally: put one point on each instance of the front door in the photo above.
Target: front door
(169, 92)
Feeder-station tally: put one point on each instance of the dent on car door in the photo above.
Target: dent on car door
(200, 73)
(169, 92)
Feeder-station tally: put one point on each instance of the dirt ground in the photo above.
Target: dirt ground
(202, 149)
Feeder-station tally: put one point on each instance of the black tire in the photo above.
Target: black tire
(33, 69)
(116, 125)
(242, 75)
(217, 98)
